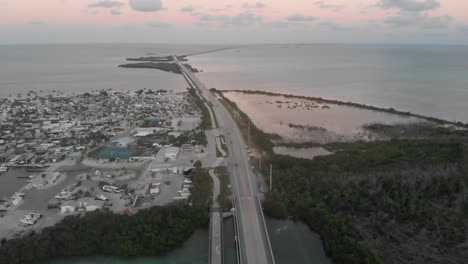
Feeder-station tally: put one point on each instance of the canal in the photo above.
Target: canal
(292, 242)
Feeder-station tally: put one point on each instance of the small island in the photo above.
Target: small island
(158, 59)
(163, 66)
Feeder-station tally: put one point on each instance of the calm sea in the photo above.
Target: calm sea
(428, 80)
(84, 68)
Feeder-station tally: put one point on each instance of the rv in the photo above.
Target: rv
(111, 189)
(102, 198)
(155, 191)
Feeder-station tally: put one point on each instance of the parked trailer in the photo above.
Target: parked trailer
(110, 188)
(186, 195)
(155, 191)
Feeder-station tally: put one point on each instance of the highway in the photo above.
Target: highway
(255, 247)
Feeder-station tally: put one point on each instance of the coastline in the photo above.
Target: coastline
(350, 228)
(356, 105)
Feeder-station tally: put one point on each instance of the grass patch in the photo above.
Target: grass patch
(224, 198)
(202, 186)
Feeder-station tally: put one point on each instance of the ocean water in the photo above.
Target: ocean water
(84, 68)
(428, 80)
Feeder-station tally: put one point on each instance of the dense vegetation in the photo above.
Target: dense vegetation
(202, 186)
(399, 201)
(163, 66)
(149, 232)
(393, 197)
(417, 130)
(158, 59)
(205, 122)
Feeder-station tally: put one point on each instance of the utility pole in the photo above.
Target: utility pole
(271, 176)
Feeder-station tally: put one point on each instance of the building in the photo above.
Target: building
(68, 207)
(171, 153)
(90, 204)
(122, 142)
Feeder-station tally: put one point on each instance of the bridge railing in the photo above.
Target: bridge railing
(266, 230)
(210, 240)
(236, 232)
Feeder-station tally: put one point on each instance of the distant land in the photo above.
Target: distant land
(163, 66)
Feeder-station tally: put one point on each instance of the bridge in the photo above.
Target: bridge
(252, 236)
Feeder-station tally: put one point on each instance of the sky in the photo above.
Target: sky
(229, 22)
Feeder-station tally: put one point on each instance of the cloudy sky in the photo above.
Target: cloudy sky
(228, 21)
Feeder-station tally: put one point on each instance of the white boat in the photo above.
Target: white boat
(30, 219)
(63, 195)
(3, 169)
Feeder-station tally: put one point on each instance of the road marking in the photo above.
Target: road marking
(245, 187)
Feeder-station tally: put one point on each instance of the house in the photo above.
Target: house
(90, 204)
(143, 134)
(171, 153)
(122, 142)
(68, 207)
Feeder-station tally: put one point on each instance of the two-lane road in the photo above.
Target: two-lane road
(255, 247)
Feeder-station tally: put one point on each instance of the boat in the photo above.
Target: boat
(3, 169)
(30, 219)
(187, 181)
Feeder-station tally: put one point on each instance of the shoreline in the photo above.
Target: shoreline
(356, 105)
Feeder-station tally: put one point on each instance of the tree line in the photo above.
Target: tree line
(150, 232)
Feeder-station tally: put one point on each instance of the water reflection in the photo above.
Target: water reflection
(294, 242)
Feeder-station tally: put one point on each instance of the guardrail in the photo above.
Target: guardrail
(222, 236)
(236, 233)
(266, 230)
(210, 233)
